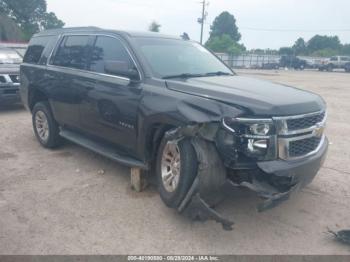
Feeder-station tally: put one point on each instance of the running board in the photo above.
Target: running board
(101, 149)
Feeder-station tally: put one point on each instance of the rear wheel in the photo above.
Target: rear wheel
(176, 170)
(45, 127)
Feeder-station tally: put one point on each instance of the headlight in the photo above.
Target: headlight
(261, 129)
(256, 137)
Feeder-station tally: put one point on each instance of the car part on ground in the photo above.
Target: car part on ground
(342, 236)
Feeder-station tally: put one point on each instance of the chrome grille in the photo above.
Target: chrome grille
(14, 78)
(305, 122)
(299, 136)
(303, 147)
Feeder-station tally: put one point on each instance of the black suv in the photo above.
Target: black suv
(169, 105)
(9, 76)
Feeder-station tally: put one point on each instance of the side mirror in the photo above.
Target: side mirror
(121, 68)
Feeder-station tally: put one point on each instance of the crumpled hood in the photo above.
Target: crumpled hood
(261, 98)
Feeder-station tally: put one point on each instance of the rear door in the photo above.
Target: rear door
(109, 111)
(69, 78)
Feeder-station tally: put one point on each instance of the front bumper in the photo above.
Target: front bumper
(9, 95)
(279, 179)
(301, 171)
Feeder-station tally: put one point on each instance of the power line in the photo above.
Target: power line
(294, 30)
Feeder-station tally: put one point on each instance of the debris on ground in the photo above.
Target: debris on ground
(342, 236)
(101, 172)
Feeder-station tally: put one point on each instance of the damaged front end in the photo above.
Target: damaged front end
(243, 153)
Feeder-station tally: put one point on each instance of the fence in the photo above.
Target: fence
(260, 61)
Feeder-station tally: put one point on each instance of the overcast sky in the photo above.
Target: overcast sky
(284, 20)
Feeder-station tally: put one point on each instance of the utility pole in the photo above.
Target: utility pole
(202, 19)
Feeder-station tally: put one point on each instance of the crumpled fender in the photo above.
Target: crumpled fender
(205, 191)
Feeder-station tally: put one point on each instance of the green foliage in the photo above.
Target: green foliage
(286, 51)
(154, 27)
(345, 50)
(327, 52)
(224, 35)
(323, 46)
(225, 24)
(299, 46)
(30, 15)
(319, 42)
(9, 31)
(224, 44)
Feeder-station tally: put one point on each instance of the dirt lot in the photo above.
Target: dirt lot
(57, 202)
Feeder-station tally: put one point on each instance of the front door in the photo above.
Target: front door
(110, 109)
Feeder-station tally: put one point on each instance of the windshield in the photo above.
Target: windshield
(9, 57)
(172, 57)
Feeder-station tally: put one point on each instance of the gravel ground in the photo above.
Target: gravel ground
(59, 202)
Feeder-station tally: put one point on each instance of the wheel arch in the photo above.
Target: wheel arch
(35, 96)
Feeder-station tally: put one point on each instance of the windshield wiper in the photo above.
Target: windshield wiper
(218, 73)
(184, 75)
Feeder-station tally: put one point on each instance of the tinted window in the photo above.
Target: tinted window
(108, 49)
(345, 59)
(168, 57)
(35, 49)
(72, 52)
(334, 59)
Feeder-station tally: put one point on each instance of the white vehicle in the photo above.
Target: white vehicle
(336, 62)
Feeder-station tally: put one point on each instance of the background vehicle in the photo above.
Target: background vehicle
(270, 66)
(336, 62)
(9, 76)
(169, 105)
(293, 62)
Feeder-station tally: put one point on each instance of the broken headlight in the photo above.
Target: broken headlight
(256, 138)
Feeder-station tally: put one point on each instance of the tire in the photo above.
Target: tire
(170, 194)
(330, 68)
(45, 126)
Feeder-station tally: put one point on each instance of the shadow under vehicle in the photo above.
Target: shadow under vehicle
(169, 106)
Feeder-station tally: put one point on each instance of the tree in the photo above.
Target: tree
(154, 27)
(326, 52)
(51, 21)
(319, 42)
(225, 24)
(30, 15)
(299, 46)
(224, 44)
(286, 51)
(345, 50)
(9, 30)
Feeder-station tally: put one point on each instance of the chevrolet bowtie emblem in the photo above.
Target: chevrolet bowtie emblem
(319, 130)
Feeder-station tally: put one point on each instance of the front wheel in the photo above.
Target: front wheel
(176, 169)
(45, 127)
(330, 68)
